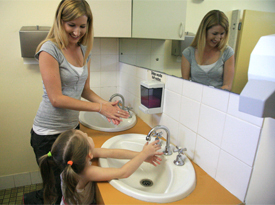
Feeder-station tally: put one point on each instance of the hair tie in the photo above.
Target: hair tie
(70, 162)
(49, 154)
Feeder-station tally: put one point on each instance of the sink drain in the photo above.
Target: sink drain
(146, 182)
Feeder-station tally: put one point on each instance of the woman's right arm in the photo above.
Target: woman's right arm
(95, 173)
(49, 69)
(185, 68)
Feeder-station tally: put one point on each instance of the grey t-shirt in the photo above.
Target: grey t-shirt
(214, 77)
(49, 117)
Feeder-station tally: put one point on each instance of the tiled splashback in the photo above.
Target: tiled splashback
(219, 138)
(104, 67)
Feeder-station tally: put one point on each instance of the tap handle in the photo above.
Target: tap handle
(180, 150)
(159, 134)
(128, 108)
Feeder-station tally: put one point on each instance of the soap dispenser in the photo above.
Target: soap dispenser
(151, 96)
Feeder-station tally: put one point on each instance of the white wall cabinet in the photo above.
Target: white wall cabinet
(155, 19)
(112, 18)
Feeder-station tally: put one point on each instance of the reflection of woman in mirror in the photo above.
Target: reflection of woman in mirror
(209, 60)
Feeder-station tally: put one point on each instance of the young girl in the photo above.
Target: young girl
(73, 151)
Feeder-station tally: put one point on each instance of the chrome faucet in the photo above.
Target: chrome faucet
(122, 102)
(167, 150)
(179, 160)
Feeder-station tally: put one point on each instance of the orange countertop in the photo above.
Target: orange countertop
(207, 191)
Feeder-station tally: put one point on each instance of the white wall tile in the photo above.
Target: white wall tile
(109, 62)
(173, 84)
(192, 90)
(261, 186)
(172, 104)
(97, 91)
(189, 113)
(233, 109)
(141, 73)
(108, 79)
(134, 86)
(215, 98)
(211, 124)
(172, 125)
(95, 63)
(206, 156)
(107, 92)
(109, 46)
(96, 46)
(125, 80)
(240, 139)
(129, 69)
(233, 174)
(95, 79)
(187, 139)
(22, 179)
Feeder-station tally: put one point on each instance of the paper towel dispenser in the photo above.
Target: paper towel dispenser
(179, 46)
(30, 37)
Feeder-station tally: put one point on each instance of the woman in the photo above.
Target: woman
(208, 60)
(64, 61)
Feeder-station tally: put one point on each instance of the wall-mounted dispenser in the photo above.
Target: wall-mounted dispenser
(179, 46)
(152, 95)
(258, 96)
(30, 37)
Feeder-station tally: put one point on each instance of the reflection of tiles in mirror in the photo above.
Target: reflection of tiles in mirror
(153, 54)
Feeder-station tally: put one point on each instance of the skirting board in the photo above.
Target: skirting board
(21, 179)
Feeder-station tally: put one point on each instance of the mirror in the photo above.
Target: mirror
(157, 54)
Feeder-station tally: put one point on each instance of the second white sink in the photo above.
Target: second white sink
(96, 121)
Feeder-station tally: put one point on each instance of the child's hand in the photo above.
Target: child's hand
(154, 160)
(151, 151)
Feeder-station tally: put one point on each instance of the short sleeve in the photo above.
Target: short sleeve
(187, 54)
(228, 53)
(50, 48)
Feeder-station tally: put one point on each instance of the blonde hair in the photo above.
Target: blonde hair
(212, 18)
(69, 10)
(69, 146)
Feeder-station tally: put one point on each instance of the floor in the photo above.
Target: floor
(15, 195)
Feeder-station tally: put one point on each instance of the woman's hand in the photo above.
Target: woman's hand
(151, 150)
(113, 112)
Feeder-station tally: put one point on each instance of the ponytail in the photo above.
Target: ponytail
(70, 178)
(46, 163)
(69, 152)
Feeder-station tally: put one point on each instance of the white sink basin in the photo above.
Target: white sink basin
(96, 121)
(169, 182)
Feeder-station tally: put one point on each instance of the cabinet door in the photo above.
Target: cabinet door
(159, 19)
(112, 18)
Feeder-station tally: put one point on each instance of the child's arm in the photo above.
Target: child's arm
(94, 173)
(124, 154)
